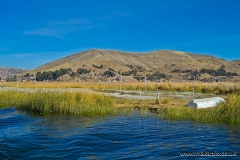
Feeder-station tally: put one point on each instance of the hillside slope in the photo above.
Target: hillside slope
(236, 62)
(10, 72)
(162, 61)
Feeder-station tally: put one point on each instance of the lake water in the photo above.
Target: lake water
(30, 136)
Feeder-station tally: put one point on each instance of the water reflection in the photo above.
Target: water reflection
(62, 126)
(137, 136)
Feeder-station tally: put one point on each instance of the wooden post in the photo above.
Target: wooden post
(140, 93)
(193, 87)
(121, 84)
(157, 91)
(145, 83)
(17, 82)
(36, 82)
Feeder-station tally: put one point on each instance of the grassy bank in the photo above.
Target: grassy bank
(228, 112)
(59, 102)
(218, 88)
(89, 104)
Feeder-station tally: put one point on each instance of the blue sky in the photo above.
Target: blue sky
(34, 32)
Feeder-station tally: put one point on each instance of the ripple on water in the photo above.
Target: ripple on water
(32, 136)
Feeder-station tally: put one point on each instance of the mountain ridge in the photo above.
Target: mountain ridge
(160, 60)
(10, 72)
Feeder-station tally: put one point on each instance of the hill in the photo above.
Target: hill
(9, 72)
(163, 61)
(236, 62)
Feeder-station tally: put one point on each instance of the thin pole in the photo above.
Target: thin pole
(17, 82)
(36, 82)
(121, 84)
(157, 91)
(193, 86)
(140, 93)
(145, 83)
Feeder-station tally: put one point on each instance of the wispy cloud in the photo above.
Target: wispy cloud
(70, 22)
(59, 28)
(57, 32)
(123, 14)
(44, 32)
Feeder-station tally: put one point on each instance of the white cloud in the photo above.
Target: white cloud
(69, 22)
(59, 28)
(123, 14)
(44, 32)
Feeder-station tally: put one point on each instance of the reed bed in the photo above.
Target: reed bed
(217, 88)
(228, 112)
(90, 104)
(76, 103)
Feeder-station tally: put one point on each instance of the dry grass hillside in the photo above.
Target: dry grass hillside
(162, 61)
(236, 62)
(9, 72)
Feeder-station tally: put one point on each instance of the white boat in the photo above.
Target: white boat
(206, 102)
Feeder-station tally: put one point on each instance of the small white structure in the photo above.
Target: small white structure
(206, 102)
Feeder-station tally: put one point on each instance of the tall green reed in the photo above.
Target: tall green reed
(76, 103)
(228, 112)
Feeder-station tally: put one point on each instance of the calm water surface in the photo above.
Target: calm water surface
(28, 136)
